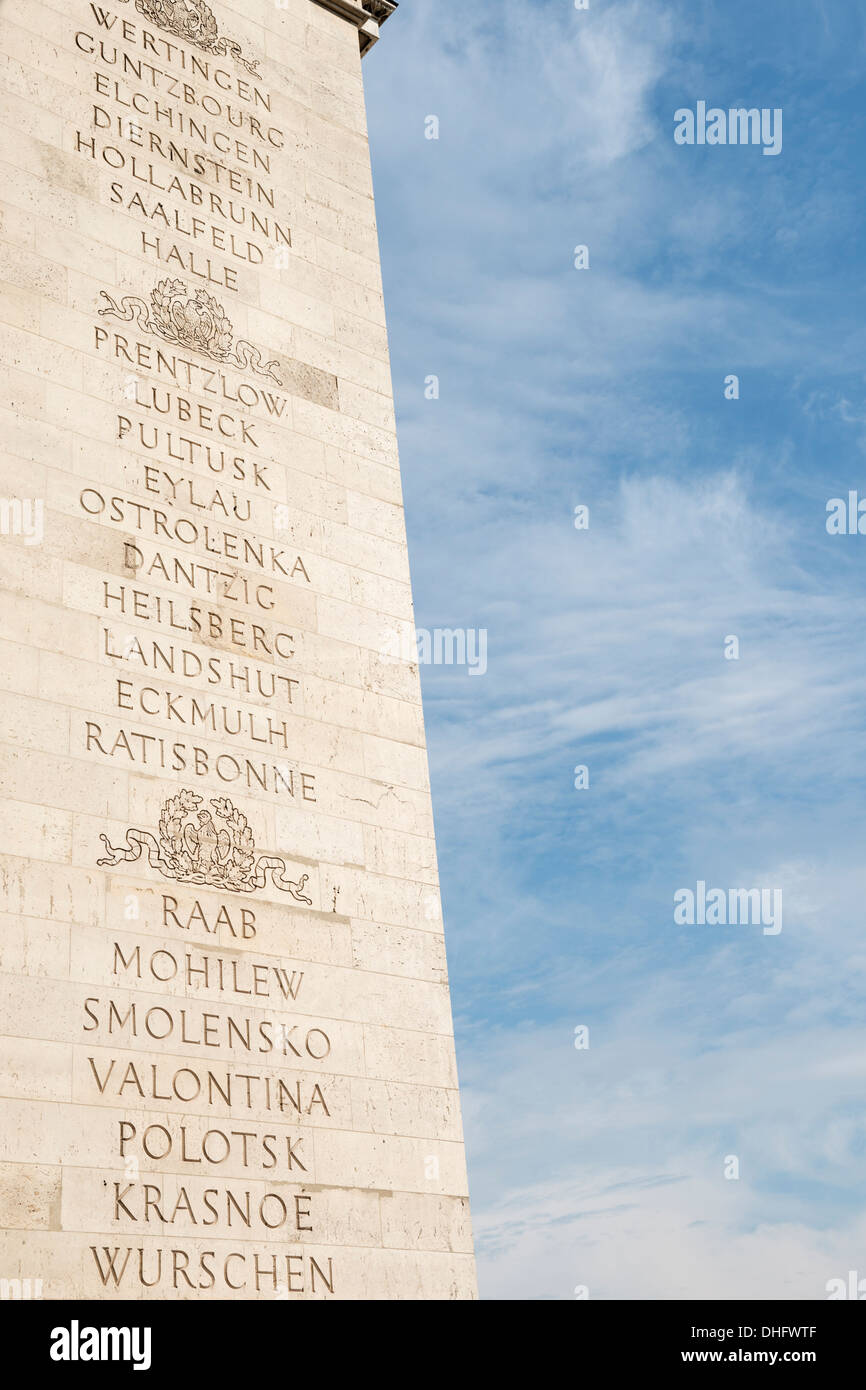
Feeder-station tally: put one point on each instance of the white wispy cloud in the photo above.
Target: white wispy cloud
(604, 387)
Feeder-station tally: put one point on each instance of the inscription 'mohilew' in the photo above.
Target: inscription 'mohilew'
(190, 320)
(194, 21)
(200, 851)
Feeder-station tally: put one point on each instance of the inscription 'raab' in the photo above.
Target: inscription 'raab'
(228, 1061)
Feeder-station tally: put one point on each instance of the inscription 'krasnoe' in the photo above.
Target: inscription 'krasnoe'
(190, 320)
(201, 851)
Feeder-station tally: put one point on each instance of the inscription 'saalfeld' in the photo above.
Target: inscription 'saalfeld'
(197, 228)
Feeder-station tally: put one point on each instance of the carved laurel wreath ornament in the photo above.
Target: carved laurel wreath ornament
(195, 321)
(194, 21)
(194, 848)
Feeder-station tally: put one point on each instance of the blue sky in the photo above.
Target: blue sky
(604, 1167)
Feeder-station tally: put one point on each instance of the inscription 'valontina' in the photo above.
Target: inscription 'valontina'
(200, 851)
(194, 21)
(190, 320)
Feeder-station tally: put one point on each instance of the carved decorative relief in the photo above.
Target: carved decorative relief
(195, 22)
(196, 321)
(194, 848)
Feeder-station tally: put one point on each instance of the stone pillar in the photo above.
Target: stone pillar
(226, 1056)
